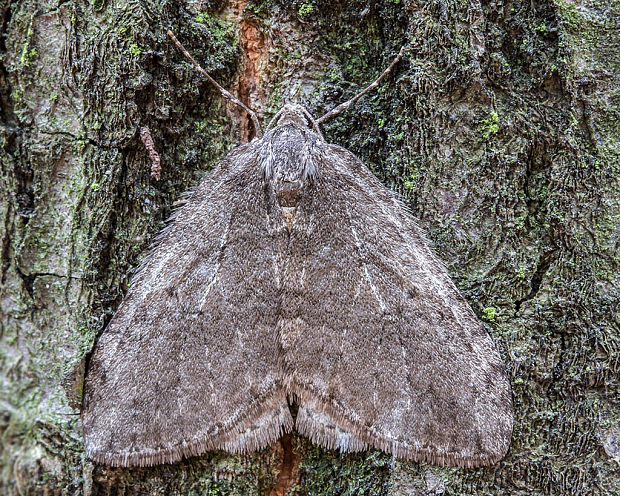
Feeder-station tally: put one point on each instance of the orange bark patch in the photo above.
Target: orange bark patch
(287, 470)
(253, 48)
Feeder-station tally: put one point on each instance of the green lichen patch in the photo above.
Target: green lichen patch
(305, 10)
(489, 314)
(490, 125)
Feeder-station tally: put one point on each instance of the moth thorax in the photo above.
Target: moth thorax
(288, 194)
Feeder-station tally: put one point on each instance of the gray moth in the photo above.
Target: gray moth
(293, 274)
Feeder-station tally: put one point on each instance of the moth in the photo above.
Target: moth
(293, 274)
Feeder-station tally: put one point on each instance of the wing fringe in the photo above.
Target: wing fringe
(330, 438)
(242, 437)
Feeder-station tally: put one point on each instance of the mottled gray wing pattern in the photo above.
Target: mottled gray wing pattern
(188, 362)
(378, 344)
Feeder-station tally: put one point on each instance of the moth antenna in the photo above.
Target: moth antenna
(315, 124)
(344, 106)
(274, 119)
(225, 94)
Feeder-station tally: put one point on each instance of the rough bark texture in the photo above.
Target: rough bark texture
(500, 128)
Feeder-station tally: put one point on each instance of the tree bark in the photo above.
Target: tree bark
(499, 128)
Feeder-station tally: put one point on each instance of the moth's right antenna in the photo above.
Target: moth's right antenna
(344, 106)
(225, 94)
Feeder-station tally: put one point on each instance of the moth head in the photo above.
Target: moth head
(293, 114)
(289, 155)
(297, 115)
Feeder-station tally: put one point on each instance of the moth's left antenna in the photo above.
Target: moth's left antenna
(225, 94)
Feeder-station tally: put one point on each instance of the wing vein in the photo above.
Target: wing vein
(218, 264)
(358, 245)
